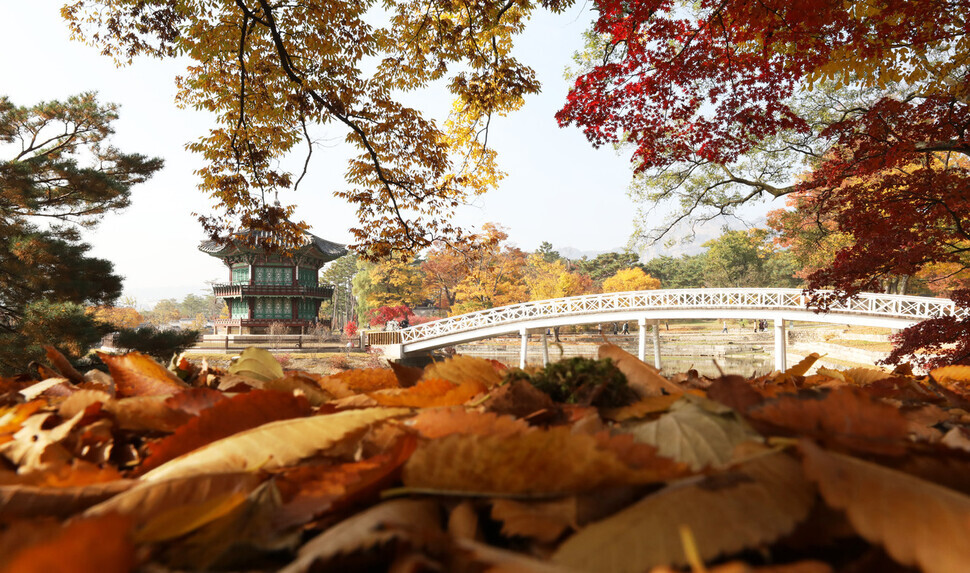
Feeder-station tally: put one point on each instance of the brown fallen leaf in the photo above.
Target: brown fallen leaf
(34, 501)
(147, 499)
(224, 419)
(272, 445)
(146, 413)
(463, 521)
(643, 378)
(546, 462)
(63, 365)
(460, 369)
(137, 374)
(33, 446)
(755, 503)
(394, 519)
(175, 522)
(544, 521)
(642, 408)
(918, 523)
(439, 422)
(430, 393)
(96, 545)
(698, 432)
(846, 416)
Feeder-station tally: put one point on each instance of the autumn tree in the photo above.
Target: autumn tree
(725, 102)
(605, 265)
(629, 280)
(269, 78)
(547, 278)
(339, 273)
(747, 258)
(58, 172)
(495, 273)
(444, 268)
(117, 316)
(685, 271)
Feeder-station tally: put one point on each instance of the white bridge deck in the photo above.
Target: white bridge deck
(779, 305)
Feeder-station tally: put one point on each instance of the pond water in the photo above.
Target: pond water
(743, 365)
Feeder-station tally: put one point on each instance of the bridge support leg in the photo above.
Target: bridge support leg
(523, 346)
(781, 349)
(545, 348)
(642, 342)
(656, 344)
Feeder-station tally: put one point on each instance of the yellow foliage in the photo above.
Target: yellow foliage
(630, 279)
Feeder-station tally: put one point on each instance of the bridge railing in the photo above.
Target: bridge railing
(899, 306)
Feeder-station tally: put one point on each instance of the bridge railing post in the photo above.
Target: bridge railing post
(523, 346)
(642, 342)
(781, 345)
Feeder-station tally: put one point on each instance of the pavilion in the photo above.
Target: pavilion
(272, 287)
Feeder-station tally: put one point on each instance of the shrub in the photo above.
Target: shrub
(159, 344)
(350, 329)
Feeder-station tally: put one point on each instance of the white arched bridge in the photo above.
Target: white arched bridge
(649, 307)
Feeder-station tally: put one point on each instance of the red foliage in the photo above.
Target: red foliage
(382, 315)
(710, 81)
(350, 329)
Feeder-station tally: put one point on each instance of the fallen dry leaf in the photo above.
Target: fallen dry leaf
(846, 416)
(917, 522)
(95, 545)
(394, 519)
(439, 422)
(460, 369)
(698, 432)
(755, 503)
(272, 445)
(544, 462)
(643, 378)
(137, 374)
(544, 521)
(224, 419)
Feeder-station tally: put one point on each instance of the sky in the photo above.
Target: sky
(558, 188)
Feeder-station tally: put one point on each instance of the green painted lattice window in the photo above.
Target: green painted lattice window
(272, 309)
(239, 308)
(240, 275)
(273, 275)
(307, 309)
(307, 277)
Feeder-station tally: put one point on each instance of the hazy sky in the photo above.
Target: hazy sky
(558, 189)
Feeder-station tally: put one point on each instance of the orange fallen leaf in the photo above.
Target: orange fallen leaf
(544, 521)
(846, 415)
(643, 378)
(223, 419)
(460, 369)
(430, 393)
(364, 380)
(136, 374)
(439, 422)
(94, 545)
